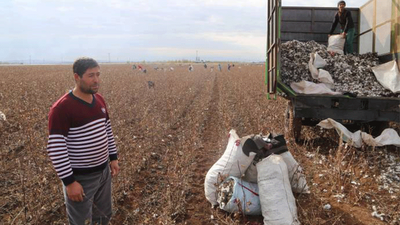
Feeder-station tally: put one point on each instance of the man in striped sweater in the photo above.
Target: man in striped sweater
(81, 147)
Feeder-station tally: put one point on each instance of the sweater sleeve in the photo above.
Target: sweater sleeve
(57, 146)
(334, 23)
(112, 148)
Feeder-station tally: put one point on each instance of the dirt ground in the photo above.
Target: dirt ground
(169, 135)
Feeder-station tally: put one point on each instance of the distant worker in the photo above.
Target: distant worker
(347, 29)
(140, 67)
(134, 67)
(205, 66)
(229, 67)
(219, 66)
(190, 68)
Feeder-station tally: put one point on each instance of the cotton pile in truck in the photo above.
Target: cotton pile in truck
(350, 73)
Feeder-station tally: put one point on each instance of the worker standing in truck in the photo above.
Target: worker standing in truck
(347, 29)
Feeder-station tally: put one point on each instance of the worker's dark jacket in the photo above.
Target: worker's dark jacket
(345, 20)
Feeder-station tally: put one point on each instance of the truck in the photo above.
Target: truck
(377, 25)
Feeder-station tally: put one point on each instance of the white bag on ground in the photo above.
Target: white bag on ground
(336, 43)
(296, 177)
(388, 75)
(232, 163)
(244, 196)
(278, 204)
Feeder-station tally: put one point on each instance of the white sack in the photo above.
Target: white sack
(307, 87)
(325, 77)
(296, 177)
(278, 204)
(245, 194)
(321, 75)
(336, 43)
(312, 68)
(232, 163)
(388, 136)
(319, 62)
(388, 75)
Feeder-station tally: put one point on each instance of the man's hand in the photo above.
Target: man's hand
(114, 168)
(344, 34)
(75, 192)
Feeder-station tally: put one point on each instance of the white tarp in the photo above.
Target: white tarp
(388, 75)
(232, 163)
(245, 195)
(307, 87)
(388, 136)
(336, 43)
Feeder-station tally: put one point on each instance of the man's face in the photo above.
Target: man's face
(90, 81)
(341, 7)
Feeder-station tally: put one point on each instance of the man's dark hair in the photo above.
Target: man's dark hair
(341, 2)
(82, 64)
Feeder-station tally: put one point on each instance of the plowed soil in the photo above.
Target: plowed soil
(168, 136)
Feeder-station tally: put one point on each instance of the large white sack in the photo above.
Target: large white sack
(388, 75)
(325, 77)
(312, 68)
(307, 87)
(296, 177)
(232, 163)
(336, 43)
(278, 204)
(388, 136)
(319, 62)
(245, 198)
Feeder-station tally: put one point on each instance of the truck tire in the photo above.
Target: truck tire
(292, 124)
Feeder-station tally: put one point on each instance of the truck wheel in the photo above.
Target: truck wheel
(292, 124)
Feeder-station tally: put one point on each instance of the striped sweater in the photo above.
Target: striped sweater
(80, 137)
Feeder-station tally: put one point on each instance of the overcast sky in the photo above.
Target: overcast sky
(136, 30)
